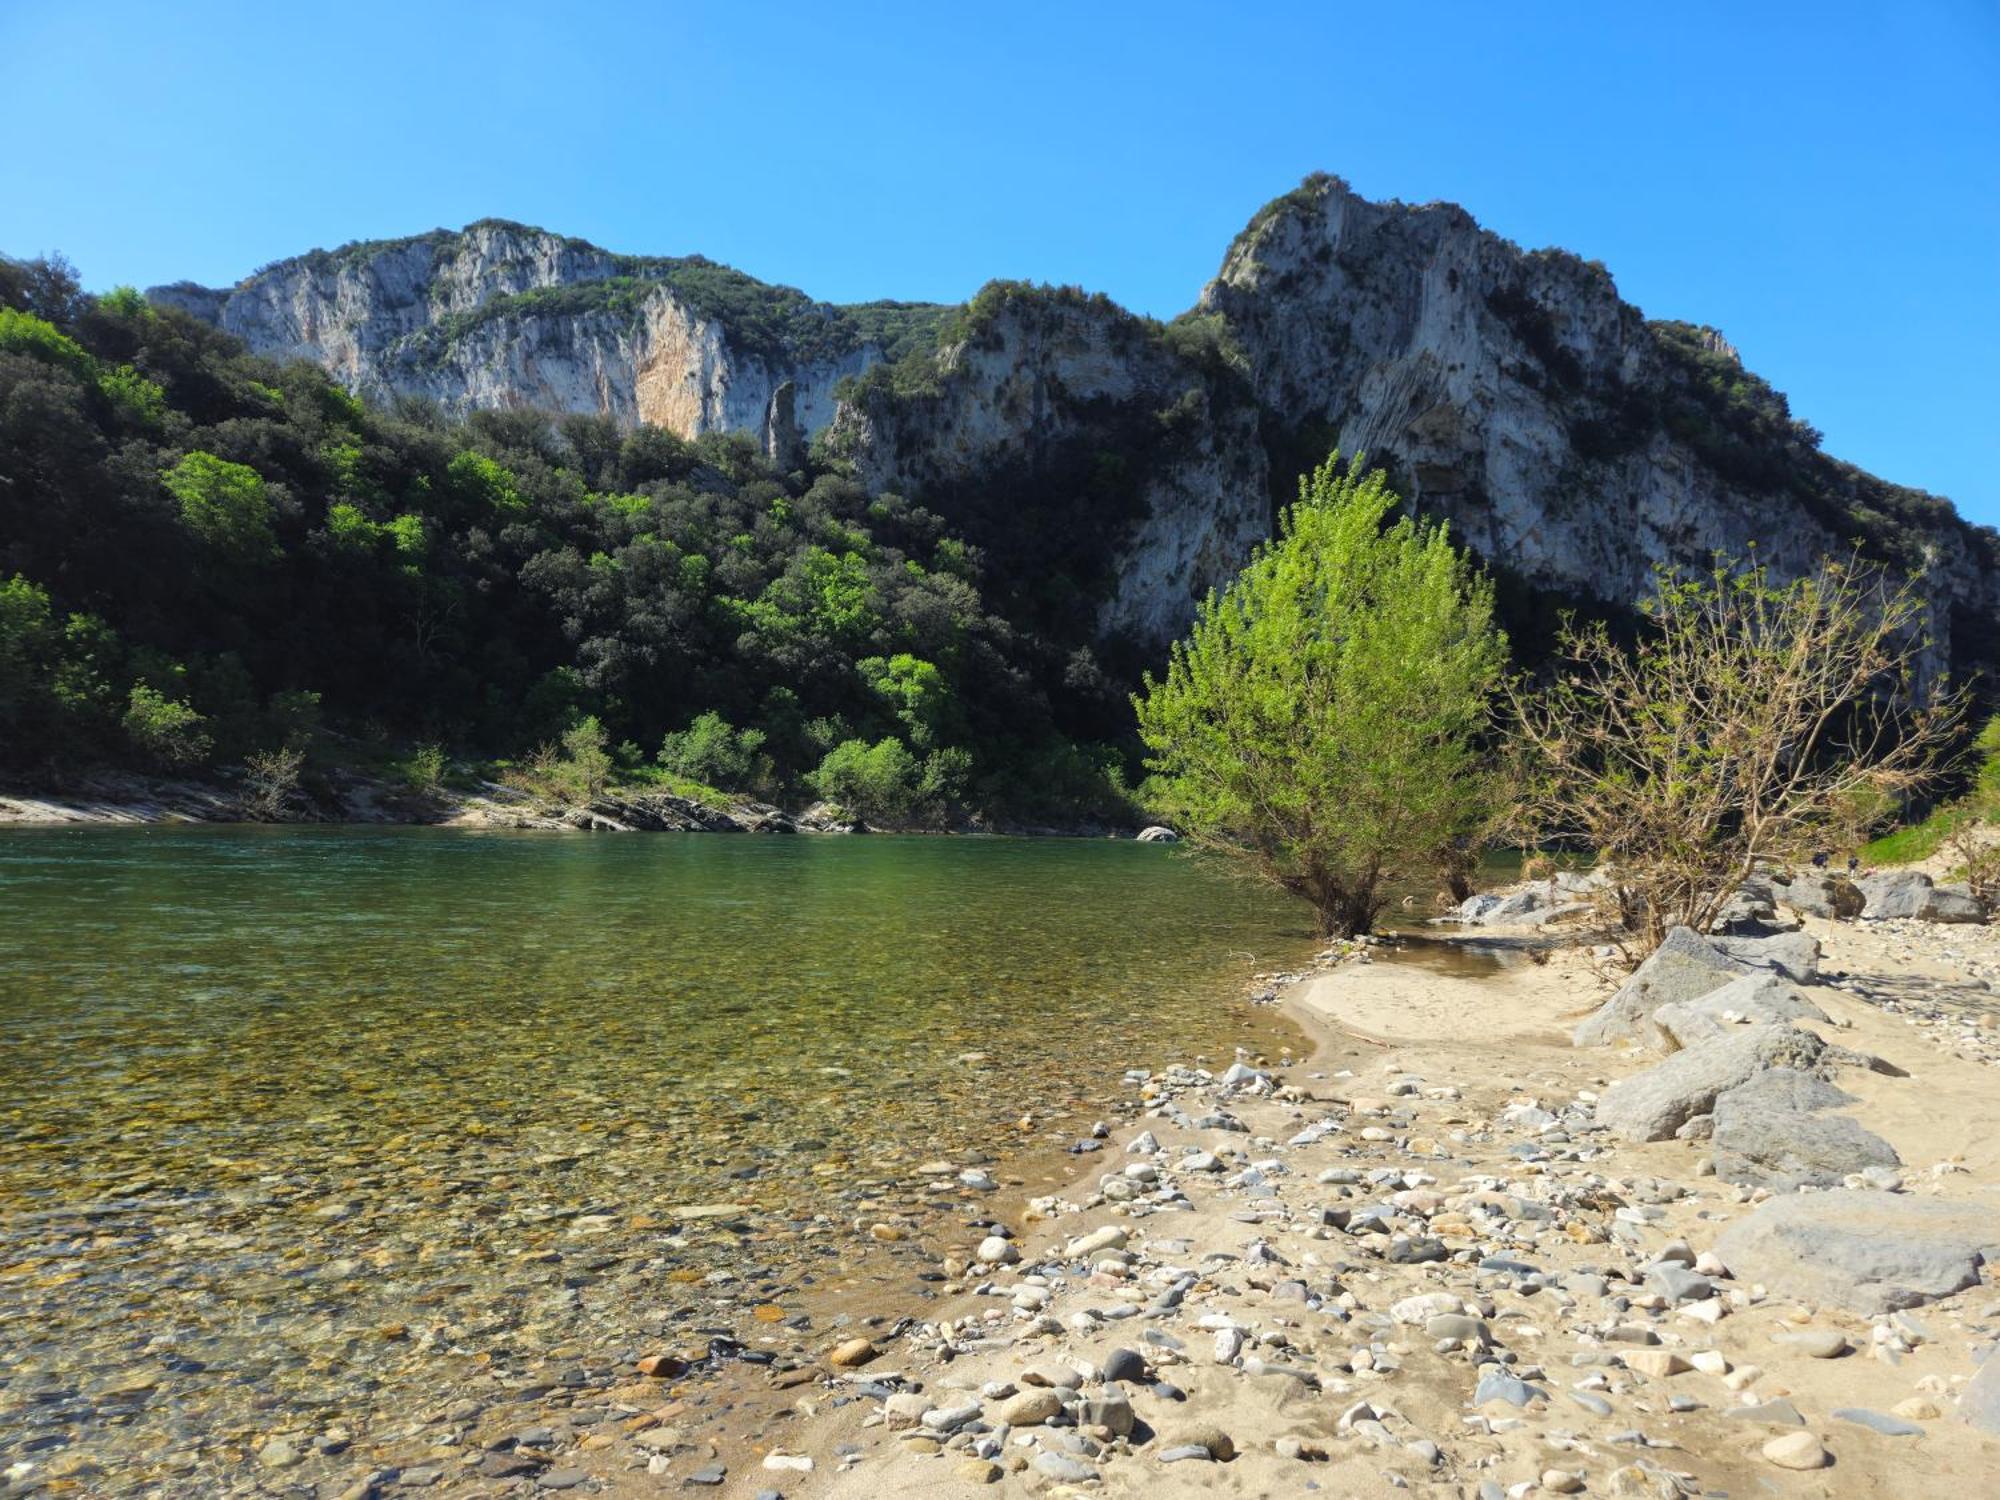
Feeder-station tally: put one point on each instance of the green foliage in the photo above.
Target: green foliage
(223, 503)
(585, 769)
(140, 401)
(711, 751)
(425, 769)
(166, 732)
(482, 485)
(1323, 718)
(229, 533)
(878, 783)
(24, 333)
(1976, 807)
(916, 691)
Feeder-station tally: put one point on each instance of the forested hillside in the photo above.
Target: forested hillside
(204, 554)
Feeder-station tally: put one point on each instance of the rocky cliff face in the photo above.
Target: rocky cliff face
(503, 316)
(1086, 414)
(1567, 439)
(1571, 442)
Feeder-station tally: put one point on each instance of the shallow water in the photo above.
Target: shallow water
(301, 1126)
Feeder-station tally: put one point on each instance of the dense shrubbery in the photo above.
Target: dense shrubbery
(197, 547)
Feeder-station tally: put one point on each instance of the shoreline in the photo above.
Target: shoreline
(118, 799)
(1697, 1402)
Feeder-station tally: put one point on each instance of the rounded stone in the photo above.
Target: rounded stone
(1796, 1450)
(853, 1352)
(1030, 1408)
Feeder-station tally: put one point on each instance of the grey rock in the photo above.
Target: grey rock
(1158, 834)
(1794, 955)
(1772, 1133)
(1497, 1385)
(1762, 998)
(1684, 967)
(1183, 1452)
(1112, 1411)
(1060, 1466)
(1678, 1284)
(1956, 903)
(1910, 893)
(1881, 1422)
(1458, 1326)
(1869, 1252)
(1979, 1402)
(1124, 1364)
(1590, 1403)
(1780, 1413)
(1819, 895)
(1652, 1105)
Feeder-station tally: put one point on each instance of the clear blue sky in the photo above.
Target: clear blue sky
(1821, 181)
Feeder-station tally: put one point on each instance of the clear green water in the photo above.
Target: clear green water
(301, 1127)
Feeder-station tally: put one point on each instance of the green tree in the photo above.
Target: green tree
(1322, 720)
(224, 504)
(165, 731)
(712, 751)
(877, 783)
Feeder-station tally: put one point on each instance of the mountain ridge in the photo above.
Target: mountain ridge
(1567, 438)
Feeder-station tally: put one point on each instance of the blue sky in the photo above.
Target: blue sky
(1821, 181)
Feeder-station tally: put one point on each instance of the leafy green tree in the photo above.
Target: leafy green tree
(878, 783)
(223, 503)
(915, 690)
(712, 751)
(586, 765)
(1322, 720)
(166, 731)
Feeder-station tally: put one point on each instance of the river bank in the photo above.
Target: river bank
(352, 797)
(1417, 1260)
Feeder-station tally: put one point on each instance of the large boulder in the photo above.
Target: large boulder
(1652, 1105)
(1823, 895)
(1911, 893)
(1684, 967)
(1792, 954)
(1773, 1132)
(1761, 999)
(1979, 1402)
(1868, 1252)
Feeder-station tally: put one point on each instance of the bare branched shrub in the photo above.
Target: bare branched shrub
(1752, 721)
(269, 779)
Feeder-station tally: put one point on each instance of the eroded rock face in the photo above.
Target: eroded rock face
(1073, 400)
(1519, 397)
(501, 316)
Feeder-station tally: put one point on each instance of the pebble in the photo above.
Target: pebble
(1498, 1385)
(1061, 1467)
(996, 1251)
(853, 1352)
(1561, 1481)
(1818, 1343)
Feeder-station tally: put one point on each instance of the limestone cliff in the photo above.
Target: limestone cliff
(1574, 444)
(499, 315)
(1570, 441)
(1082, 422)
